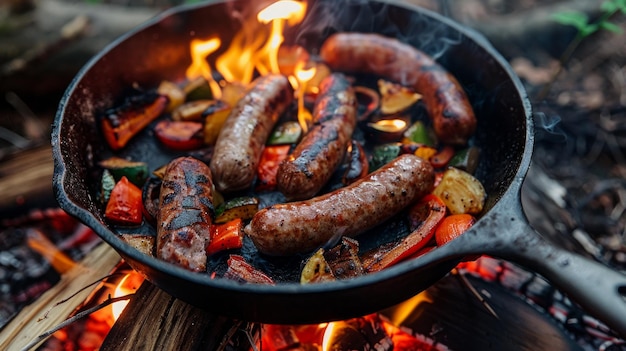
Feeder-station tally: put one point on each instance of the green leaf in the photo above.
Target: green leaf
(609, 6)
(611, 27)
(578, 20)
(588, 30)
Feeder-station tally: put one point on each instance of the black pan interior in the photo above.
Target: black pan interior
(160, 50)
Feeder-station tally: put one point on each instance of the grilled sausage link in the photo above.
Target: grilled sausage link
(185, 215)
(448, 106)
(297, 227)
(322, 149)
(240, 143)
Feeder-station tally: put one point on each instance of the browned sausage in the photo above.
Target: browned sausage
(185, 214)
(322, 149)
(448, 106)
(296, 227)
(240, 143)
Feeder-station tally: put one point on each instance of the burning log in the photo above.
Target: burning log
(364, 333)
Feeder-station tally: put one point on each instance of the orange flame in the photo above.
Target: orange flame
(127, 285)
(389, 125)
(302, 77)
(200, 49)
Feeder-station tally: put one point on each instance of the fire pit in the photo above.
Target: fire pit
(159, 50)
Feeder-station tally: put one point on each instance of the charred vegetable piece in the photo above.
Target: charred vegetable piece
(442, 157)
(368, 102)
(198, 89)
(143, 243)
(343, 259)
(316, 269)
(452, 227)
(136, 172)
(226, 236)
(383, 154)
(174, 93)
(271, 158)
(124, 207)
(395, 97)
(150, 198)
(121, 124)
(340, 262)
(241, 207)
(241, 271)
(106, 186)
(426, 152)
(288, 132)
(387, 130)
(214, 116)
(232, 93)
(358, 166)
(160, 172)
(424, 217)
(466, 159)
(461, 192)
(191, 110)
(419, 133)
(179, 135)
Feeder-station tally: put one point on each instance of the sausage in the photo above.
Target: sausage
(298, 227)
(322, 149)
(185, 215)
(240, 143)
(447, 103)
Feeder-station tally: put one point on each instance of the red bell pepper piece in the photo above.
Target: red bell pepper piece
(424, 217)
(443, 157)
(453, 226)
(180, 135)
(268, 166)
(125, 206)
(121, 124)
(240, 270)
(226, 236)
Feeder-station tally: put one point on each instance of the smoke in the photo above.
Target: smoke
(548, 126)
(325, 17)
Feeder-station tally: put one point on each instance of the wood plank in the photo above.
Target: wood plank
(43, 315)
(154, 320)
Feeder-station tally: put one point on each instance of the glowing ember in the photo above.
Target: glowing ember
(127, 285)
(328, 334)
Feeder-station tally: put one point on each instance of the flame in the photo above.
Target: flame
(407, 308)
(200, 49)
(302, 77)
(328, 334)
(254, 47)
(127, 285)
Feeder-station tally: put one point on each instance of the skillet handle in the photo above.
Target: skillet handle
(597, 288)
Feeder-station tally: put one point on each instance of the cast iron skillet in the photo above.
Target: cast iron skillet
(159, 50)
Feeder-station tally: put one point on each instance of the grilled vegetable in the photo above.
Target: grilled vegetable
(358, 165)
(121, 124)
(106, 186)
(395, 97)
(214, 116)
(198, 89)
(368, 102)
(285, 133)
(179, 135)
(383, 154)
(424, 217)
(466, 159)
(226, 236)
(452, 227)
(241, 207)
(461, 192)
(124, 207)
(242, 271)
(191, 110)
(175, 95)
(268, 166)
(419, 133)
(339, 262)
(442, 157)
(136, 172)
